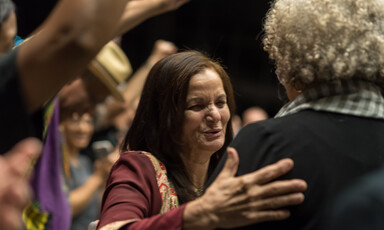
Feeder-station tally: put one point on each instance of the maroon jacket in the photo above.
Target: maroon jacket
(132, 193)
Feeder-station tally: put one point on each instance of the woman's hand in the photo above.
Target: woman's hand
(161, 49)
(239, 201)
(139, 10)
(103, 166)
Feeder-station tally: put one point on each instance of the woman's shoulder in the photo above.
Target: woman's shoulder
(140, 157)
(132, 164)
(133, 156)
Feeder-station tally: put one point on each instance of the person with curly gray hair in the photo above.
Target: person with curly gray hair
(324, 41)
(329, 56)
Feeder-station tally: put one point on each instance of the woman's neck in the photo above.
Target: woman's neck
(197, 169)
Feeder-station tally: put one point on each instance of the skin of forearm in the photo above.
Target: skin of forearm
(71, 36)
(136, 84)
(80, 197)
(137, 12)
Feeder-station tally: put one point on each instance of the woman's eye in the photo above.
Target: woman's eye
(221, 104)
(195, 107)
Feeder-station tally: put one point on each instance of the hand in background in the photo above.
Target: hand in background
(15, 170)
(137, 11)
(102, 168)
(167, 5)
(160, 50)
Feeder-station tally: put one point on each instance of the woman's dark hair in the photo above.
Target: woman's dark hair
(157, 126)
(6, 9)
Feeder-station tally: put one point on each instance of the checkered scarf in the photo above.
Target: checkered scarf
(352, 97)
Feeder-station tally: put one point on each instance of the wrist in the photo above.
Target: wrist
(152, 8)
(96, 178)
(198, 215)
(153, 59)
(159, 7)
(148, 64)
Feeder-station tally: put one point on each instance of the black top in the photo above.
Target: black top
(329, 150)
(359, 207)
(15, 123)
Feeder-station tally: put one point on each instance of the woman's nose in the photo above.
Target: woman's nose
(213, 113)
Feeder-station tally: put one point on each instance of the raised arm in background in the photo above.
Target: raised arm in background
(138, 11)
(71, 36)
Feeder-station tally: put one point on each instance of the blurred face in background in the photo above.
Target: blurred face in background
(77, 130)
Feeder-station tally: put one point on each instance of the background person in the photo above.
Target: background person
(84, 180)
(78, 100)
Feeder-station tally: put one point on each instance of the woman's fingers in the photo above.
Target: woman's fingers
(230, 166)
(252, 198)
(271, 209)
(255, 192)
(277, 202)
(277, 188)
(269, 173)
(269, 215)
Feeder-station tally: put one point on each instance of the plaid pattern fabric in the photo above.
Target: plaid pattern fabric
(352, 97)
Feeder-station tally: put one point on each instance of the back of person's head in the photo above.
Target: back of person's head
(6, 9)
(157, 126)
(313, 41)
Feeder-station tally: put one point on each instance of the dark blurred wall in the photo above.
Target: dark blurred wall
(229, 30)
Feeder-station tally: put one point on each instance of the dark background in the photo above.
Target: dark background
(229, 30)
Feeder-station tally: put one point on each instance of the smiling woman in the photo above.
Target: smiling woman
(185, 90)
(205, 123)
(179, 133)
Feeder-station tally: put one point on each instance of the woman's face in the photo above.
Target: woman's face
(206, 114)
(78, 130)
